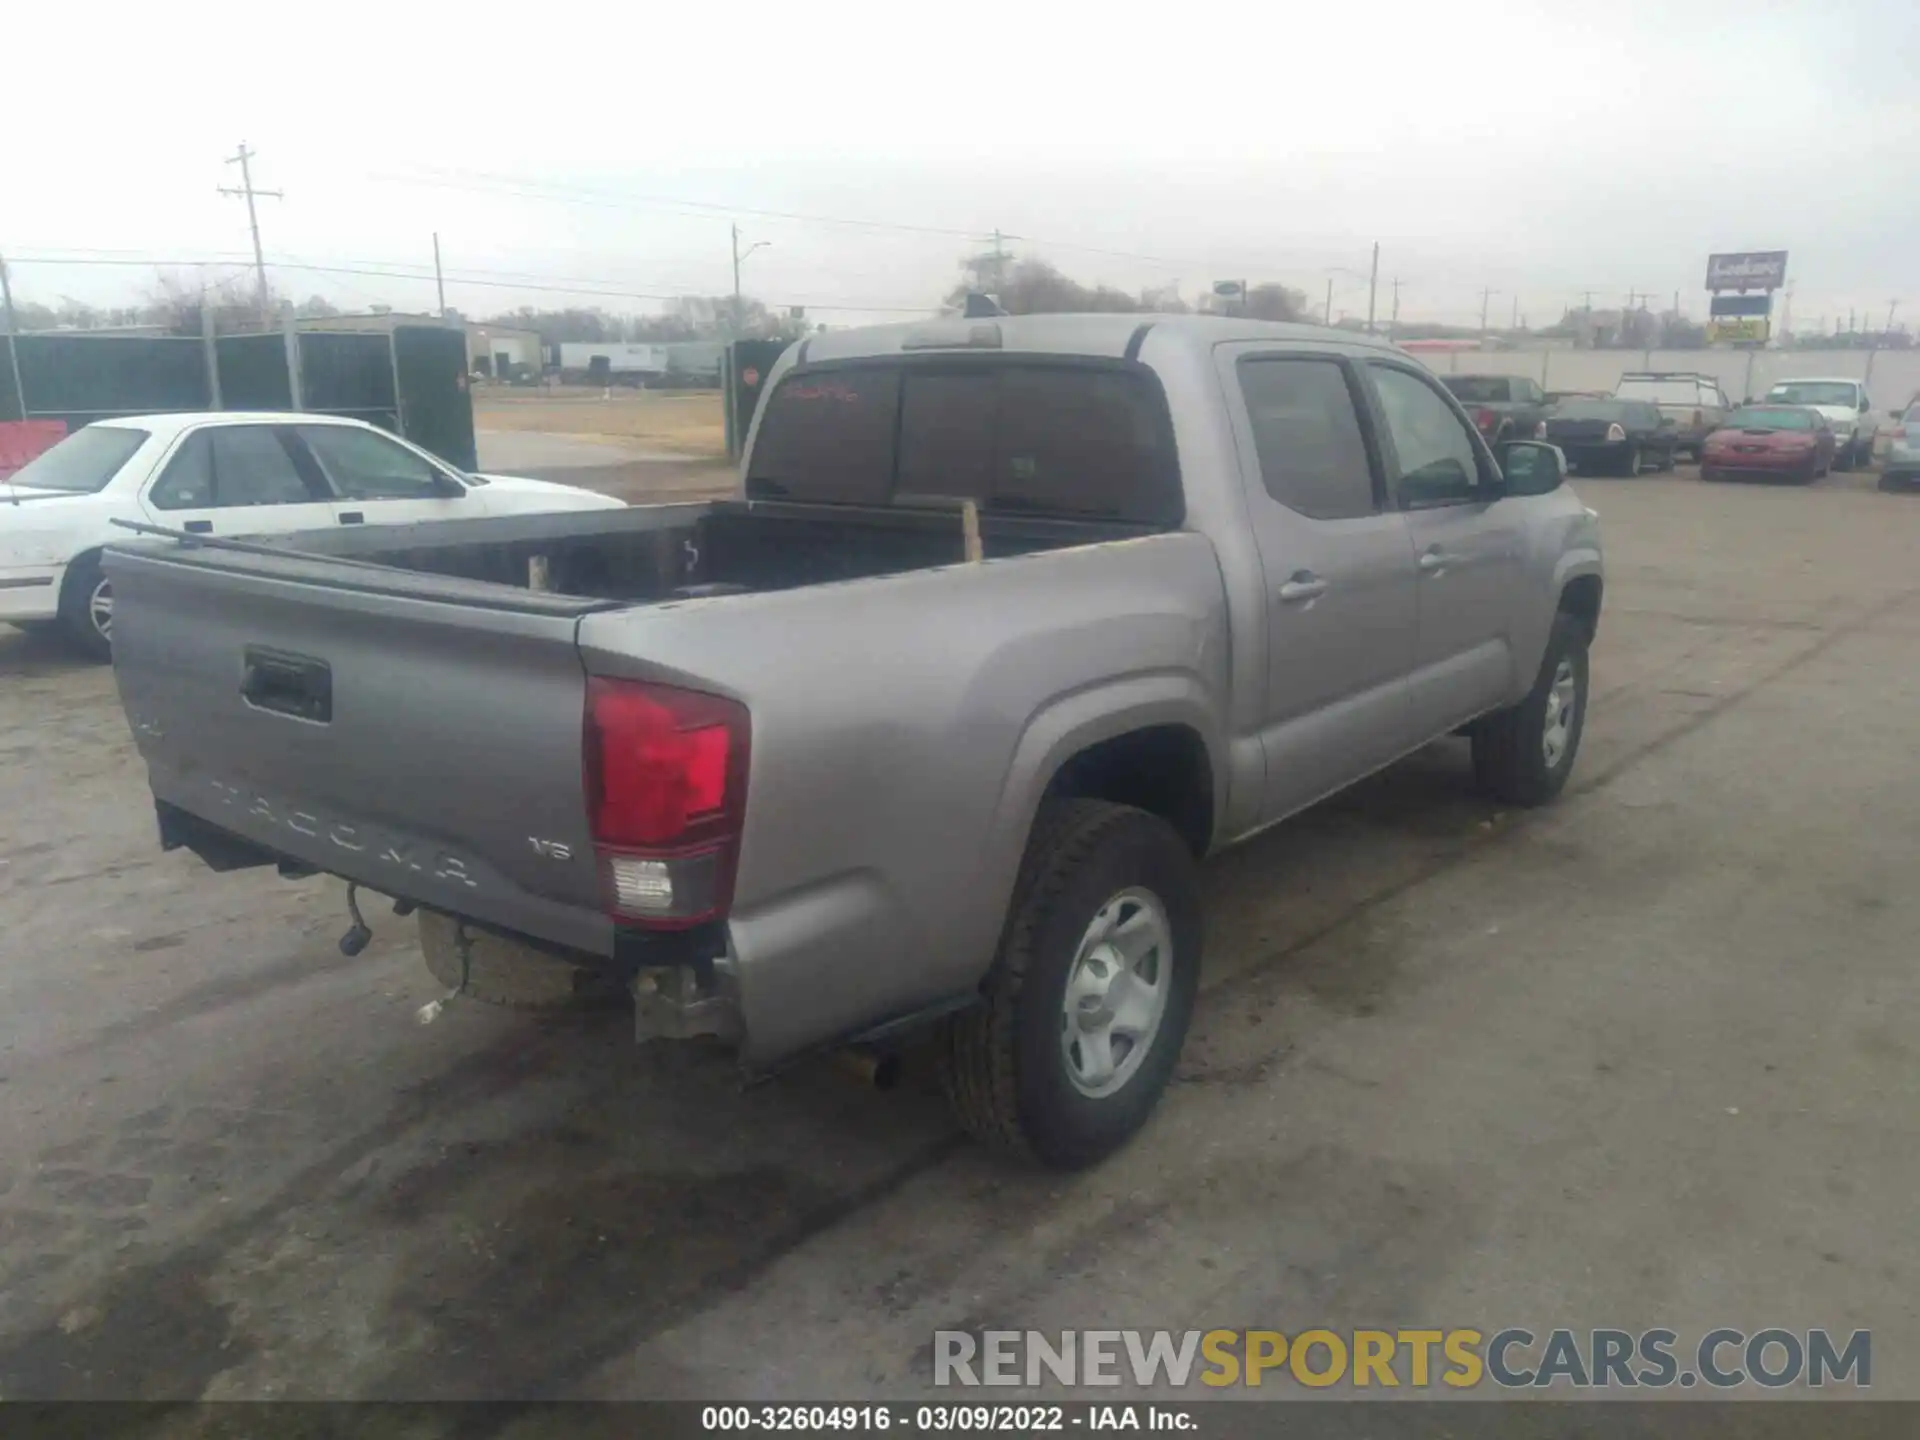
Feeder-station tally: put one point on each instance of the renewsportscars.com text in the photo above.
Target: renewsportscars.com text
(1461, 1359)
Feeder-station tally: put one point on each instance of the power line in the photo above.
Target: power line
(483, 182)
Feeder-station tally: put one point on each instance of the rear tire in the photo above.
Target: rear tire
(1523, 755)
(86, 608)
(1014, 1068)
(1631, 464)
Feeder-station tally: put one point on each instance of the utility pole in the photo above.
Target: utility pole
(1327, 317)
(1486, 296)
(1515, 324)
(1892, 305)
(1393, 319)
(1000, 267)
(1786, 316)
(242, 157)
(1373, 285)
(439, 280)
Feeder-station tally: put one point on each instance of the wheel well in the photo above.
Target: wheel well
(1581, 599)
(1163, 769)
(69, 577)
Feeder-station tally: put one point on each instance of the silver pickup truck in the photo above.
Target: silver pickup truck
(1013, 621)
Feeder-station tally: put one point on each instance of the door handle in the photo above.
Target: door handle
(1434, 561)
(353, 517)
(296, 685)
(1304, 586)
(199, 527)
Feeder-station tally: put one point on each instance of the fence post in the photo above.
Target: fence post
(291, 332)
(211, 354)
(13, 353)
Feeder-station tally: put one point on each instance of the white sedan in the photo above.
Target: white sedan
(221, 474)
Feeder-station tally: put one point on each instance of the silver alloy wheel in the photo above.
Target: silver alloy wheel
(1117, 992)
(1558, 730)
(100, 609)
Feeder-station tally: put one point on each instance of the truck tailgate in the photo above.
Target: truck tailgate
(421, 736)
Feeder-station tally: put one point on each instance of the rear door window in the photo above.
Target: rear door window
(1306, 433)
(232, 466)
(1060, 439)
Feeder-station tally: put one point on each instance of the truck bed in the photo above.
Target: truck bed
(398, 705)
(656, 553)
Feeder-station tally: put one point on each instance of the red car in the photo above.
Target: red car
(1793, 442)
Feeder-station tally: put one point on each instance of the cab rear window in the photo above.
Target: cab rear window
(1070, 439)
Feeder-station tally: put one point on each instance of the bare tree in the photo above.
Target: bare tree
(177, 302)
(1275, 302)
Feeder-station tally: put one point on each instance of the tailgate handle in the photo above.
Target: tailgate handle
(288, 684)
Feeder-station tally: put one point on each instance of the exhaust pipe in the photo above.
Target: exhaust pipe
(879, 1069)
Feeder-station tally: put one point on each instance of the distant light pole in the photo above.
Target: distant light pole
(738, 256)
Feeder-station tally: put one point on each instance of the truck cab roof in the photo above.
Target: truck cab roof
(1109, 336)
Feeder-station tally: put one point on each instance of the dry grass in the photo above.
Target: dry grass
(684, 422)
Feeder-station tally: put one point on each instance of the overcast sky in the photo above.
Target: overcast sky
(1539, 149)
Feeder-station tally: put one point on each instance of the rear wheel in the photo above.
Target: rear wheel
(86, 608)
(1088, 1001)
(1631, 464)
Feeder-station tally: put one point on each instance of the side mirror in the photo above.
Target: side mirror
(1531, 467)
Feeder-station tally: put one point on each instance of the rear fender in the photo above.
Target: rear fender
(1060, 731)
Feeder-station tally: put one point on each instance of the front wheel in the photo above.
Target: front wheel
(1088, 1002)
(86, 608)
(1523, 755)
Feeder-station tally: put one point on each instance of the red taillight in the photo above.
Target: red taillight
(666, 775)
(1485, 419)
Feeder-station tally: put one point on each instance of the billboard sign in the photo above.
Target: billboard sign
(1727, 307)
(1747, 270)
(1739, 331)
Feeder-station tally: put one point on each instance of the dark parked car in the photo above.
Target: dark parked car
(1503, 407)
(1613, 437)
(1794, 442)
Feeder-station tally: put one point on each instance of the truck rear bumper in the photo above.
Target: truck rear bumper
(781, 981)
